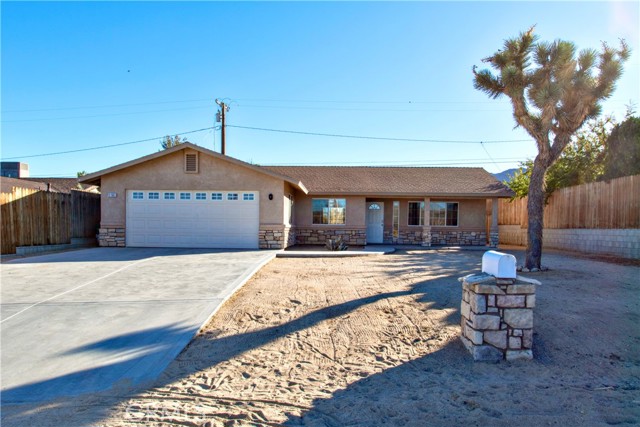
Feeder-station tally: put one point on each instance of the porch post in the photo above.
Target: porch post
(426, 228)
(493, 231)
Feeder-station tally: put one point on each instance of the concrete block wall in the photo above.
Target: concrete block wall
(623, 243)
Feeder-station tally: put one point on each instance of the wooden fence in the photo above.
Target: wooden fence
(32, 217)
(597, 205)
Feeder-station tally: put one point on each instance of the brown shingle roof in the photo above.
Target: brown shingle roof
(63, 185)
(409, 181)
(8, 184)
(58, 185)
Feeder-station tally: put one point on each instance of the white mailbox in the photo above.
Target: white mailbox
(502, 266)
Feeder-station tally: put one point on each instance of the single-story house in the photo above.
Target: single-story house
(189, 196)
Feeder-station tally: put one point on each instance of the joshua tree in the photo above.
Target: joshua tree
(553, 91)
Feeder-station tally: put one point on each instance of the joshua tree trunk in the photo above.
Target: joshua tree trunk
(535, 209)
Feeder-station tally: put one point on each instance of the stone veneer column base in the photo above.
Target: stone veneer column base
(497, 317)
(426, 236)
(494, 239)
(111, 236)
(276, 236)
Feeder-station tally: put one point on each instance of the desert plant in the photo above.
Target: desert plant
(336, 244)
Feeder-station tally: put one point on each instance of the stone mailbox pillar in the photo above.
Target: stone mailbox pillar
(497, 313)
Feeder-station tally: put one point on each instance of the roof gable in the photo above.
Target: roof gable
(94, 178)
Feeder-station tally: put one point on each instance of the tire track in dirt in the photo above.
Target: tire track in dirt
(374, 341)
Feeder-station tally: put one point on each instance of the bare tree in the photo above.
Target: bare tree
(171, 141)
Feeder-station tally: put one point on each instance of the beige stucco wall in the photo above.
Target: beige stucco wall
(167, 173)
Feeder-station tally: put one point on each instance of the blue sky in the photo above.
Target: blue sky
(78, 75)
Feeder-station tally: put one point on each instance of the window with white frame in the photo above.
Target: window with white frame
(201, 196)
(185, 196)
(329, 211)
(154, 195)
(444, 214)
(395, 220)
(216, 196)
(169, 196)
(232, 196)
(248, 196)
(416, 213)
(138, 195)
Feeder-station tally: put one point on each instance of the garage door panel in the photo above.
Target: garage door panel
(209, 223)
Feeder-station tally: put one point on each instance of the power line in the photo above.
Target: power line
(103, 146)
(409, 163)
(283, 107)
(104, 106)
(379, 138)
(405, 102)
(486, 151)
(321, 101)
(103, 115)
(398, 163)
(304, 101)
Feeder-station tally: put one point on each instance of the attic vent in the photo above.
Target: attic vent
(191, 162)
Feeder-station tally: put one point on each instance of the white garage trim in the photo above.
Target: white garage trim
(192, 218)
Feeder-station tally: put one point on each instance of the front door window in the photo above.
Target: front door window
(375, 222)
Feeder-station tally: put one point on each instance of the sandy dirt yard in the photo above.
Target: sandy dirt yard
(374, 341)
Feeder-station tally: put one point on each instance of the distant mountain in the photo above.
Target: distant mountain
(505, 175)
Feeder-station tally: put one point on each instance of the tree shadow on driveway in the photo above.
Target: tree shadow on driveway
(150, 342)
(131, 352)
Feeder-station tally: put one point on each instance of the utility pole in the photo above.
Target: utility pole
(220, 117)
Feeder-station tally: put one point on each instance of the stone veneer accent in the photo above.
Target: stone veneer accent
(319, 236)
(406, 236)
(426, 236)
(276, 236)
(497, 317)
(494, 239)
(111, 237)
(458, 238)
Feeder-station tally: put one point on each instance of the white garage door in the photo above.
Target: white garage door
(192, 219)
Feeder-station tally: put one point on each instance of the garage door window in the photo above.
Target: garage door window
(138, 195)
(154, 195)
(169, 196)
(248, 196)
(185, 196)
(201, 196)
(216, 196)
(232, 196)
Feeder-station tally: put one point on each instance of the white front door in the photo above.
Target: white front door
(375, 222)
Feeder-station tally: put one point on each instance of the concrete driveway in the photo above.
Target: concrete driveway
(108, 318)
